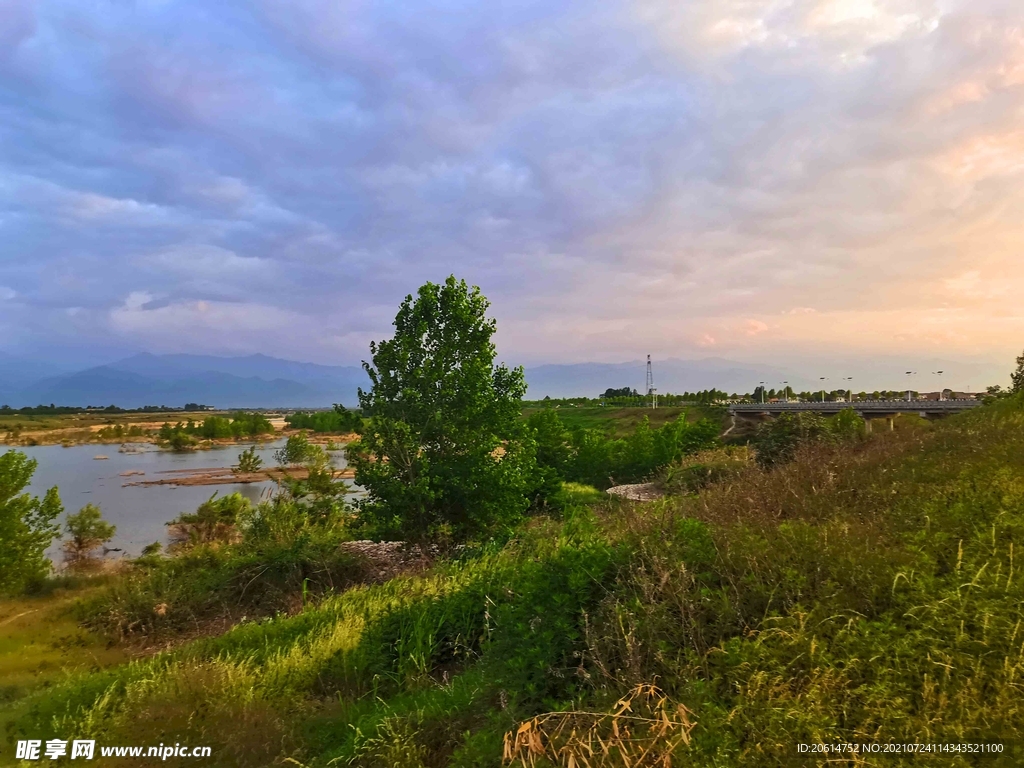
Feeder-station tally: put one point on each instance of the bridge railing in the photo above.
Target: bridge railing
(857, 405)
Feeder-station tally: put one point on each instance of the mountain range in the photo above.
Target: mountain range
(253, 381)
(256, 381)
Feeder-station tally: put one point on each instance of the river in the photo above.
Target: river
(139, 512)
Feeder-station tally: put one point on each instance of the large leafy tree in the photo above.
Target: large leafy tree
(27, 525)
(443, 454)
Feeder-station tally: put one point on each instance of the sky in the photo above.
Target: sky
(749, 179)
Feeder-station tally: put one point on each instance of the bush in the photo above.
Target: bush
(248, 461)
(601, 461)
(694, 473)
(296, 450)
(232, 560)
(322, 495)
(215, 520)
(777, 440)
(88, 531)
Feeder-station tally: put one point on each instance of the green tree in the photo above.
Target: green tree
(591, 461)
(248, 461)
(621, 392)
(296, 450)
(321, 493)
(554, 452)
(847, 425)
(776, 441)
(26, 524)
(1017, 377)
(444, 453)
(349, 421)
(87, 531)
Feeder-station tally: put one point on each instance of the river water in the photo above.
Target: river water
(139, 512)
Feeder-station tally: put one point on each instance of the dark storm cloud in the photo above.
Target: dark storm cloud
(276, 175)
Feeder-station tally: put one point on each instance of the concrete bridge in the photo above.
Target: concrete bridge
(868, 409)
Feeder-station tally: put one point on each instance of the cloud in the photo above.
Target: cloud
(207, 262)
(136, 301)
(17, 25)
(210, 326)
(755, 327)
(277, 176)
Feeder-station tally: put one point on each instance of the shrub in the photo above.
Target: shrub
(296, 450)
(321, 495)
(87, 531)
(776, 441)
(238, 560)
(248, 461)
(601, 461)
(694, 473)
(215, 520)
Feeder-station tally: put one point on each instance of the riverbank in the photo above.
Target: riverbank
(144, 433)
(18, 430)
(139, 511)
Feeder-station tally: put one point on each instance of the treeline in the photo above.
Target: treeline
(64, 410)
(340, 420)
(240, 424)
(835, 396)
(626, 397)
(590, 456)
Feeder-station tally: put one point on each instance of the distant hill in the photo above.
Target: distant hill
(254, 381)
(18, 372)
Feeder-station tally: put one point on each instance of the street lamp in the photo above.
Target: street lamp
(823, 378)
(939, 374)
(910, 391)
(849, 397)
(785, 391)
(762, 393)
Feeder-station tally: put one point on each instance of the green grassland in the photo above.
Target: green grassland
(42, 641)
(868, 590)
(621, 421)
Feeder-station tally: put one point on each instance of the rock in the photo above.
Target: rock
(388, 558)
(637, 492)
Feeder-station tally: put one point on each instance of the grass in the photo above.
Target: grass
(867, 591)
(620, 422)
(42, 641)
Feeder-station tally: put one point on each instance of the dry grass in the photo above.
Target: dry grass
(642, 731)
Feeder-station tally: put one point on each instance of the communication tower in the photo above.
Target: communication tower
(651, 391)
